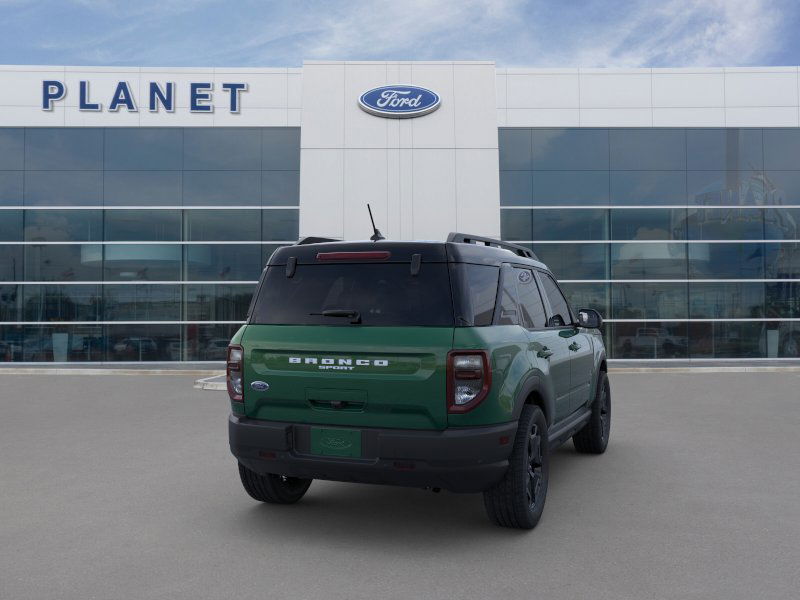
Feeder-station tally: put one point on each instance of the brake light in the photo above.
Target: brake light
(468, 379)
(234, 372)
(367, 255)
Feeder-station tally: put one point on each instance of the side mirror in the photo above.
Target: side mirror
(589, 318)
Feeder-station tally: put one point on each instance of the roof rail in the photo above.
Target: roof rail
(314, 240)
(466, 238)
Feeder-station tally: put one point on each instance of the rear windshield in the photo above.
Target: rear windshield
(384, 294)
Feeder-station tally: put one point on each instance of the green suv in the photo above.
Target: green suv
(456, 365)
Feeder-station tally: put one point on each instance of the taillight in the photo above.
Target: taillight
(234, 372)
(468, 379)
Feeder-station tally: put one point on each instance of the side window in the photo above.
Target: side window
(530, 301)
(558, 303)
(507, 303)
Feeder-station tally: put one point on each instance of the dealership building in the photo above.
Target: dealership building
(138, 206)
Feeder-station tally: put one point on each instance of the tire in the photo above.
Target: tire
(593, 438)
(275, 489)
(517, 501)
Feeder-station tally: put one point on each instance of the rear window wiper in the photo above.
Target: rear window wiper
(353, 315)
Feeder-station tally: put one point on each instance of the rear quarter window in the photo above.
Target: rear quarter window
(474, 293)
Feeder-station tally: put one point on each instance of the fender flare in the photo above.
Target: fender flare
(535, 383)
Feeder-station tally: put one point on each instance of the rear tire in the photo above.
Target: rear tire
(593, 438)
(275, 489)
(518, 500)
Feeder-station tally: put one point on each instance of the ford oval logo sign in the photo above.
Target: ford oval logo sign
(399, 101)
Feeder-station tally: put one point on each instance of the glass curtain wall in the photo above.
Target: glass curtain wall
(138, 244)
(685, 240)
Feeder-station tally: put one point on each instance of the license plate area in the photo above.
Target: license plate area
(328, 441)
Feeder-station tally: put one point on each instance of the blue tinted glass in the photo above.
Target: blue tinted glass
(62, 303)
(12, 148)
(62, 343)
(648, 187)
(65, 148)
(575, 261)
(516, 225)
(648, 149)
(63, 225)
(11, 265)
(638, 300)
(68, 262)
(10, 310)
(783, 187)
(783, 340)
(143, 188)
(143, 342)
(782, 260)
(221, 148)
(648, 261)
(142, 225)
(280, 225)
(208, 342)
(63, 188)
(142, 302)
(221, 188)
(10, 225)
(280, 188)
(143, 148)
(783, 299)
(556, 188)
(516, 188)
(726, 224)
(649, 339)
(727, 340)
(233, 262)
(648, 224)
(729, 188)
(11, 188)
(218, 302)
(280, 147)
(570, 149)
(726, 261)
(726, 300)
(782, 148)
(724, 149)
(222, 225)
(587, 295)
(582, 224)
(515, 149)
(146, 262)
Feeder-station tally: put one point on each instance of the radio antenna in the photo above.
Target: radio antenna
(377, 235)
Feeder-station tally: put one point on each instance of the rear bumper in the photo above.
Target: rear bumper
(459, 459)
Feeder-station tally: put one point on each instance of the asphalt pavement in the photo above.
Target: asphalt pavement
(115, 486)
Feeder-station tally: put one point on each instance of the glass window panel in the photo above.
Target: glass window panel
(730, 188)
(11, 339)
(514, 149)
(649, 339)
(63, 148)
(509, 306)
(650, 224)
(648, 261)
(12, 148)
(648, 187)
(10, 225)
(783, 187)
(724, 149)
(280, 188)
(62, 303)
(142, 225)
(516, 188)
(221, 188)
(637, 300)
(235, 262)
(63, 343)
(726, 300)
(782, 261)
(218, 302)
(63, 225)
(783, 341)
(280, 147)
(63, 188)
(587, 295)
(153, 262)
(726, 261)
(11, 263)
(575, 261)
(580, 224)
(142, 302)
(142, 188)
(727, 340)
(280, 224)
(68, 262)
(570, 149)
(530, 300)
(516, 224)
(726, 224)
(781, 223)
(648, 149)
(782, 299)
(570, 187)
(559, 309)
(222, 148)
(11, 190)
(782, 148)
(143, 148)
(208, 342)
(143, 342)
(10, 308)
(222, 225)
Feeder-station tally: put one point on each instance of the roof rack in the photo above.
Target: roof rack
(315, 240)
(466, 238)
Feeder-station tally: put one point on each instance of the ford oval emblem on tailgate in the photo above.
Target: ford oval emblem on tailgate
(259, 386)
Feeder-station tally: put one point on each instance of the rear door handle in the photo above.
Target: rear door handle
(545, 352)
(574, 346)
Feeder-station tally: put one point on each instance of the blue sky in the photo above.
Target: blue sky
(586, 33)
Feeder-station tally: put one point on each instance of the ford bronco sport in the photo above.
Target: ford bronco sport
(456, 365)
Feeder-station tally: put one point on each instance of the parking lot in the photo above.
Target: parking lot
(115, 486)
